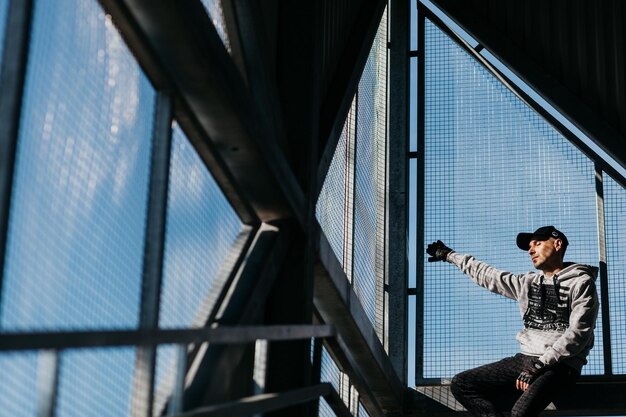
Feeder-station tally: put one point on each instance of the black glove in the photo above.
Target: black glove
(438, 251)
(529, 375)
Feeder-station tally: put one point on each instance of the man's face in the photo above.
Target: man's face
(544, 252)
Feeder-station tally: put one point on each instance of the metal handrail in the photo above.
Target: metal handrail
(107, 338)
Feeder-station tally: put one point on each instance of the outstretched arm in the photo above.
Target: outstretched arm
(485, 275)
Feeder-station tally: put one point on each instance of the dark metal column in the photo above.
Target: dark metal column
(291, 301)
(12, 75)
(220, 372)
(258, 57)
(153, 251)
(419, 183)
(288, 363)
(604, 281)
(397, 200)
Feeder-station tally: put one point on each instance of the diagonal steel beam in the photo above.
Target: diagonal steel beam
(179, 48)
(243, 305)
(257, 56)
(337, 303)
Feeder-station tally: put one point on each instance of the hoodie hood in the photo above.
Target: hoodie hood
(573, 270)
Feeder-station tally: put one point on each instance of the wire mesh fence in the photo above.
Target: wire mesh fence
(75, 246)
(493, 168)
(351, 205)
(76, 235)
(96, 382)
(20, 397)
(615, 220)
(201, 229)
(369, 189)
(349, 395)
(335, 199)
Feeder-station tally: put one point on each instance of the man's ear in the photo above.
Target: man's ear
(558, 244)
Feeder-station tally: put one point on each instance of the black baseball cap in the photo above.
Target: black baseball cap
(523, 239)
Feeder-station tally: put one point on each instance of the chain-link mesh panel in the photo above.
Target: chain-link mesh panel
(369, 193)
(201, 230)
(351, 207)
(615, 220)
(335, 197)
(96, 382)
(18, 390)
(329, 373)
(75, 245)
(325, 410)
(216, 13)
(493, 168)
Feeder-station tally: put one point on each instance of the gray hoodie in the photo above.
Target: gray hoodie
(559, 312)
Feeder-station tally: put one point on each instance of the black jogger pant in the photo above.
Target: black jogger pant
(489, 390)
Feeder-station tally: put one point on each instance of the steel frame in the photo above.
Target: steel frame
(568, 106)
(218, 113)
(153, 337)
(603, 274)
(604, 387)
(230, 112)
(600, 165)
(365, 359)
(419, 235)
(51, 346)
(397, 211)
(154, 248)
(263, 403)
(12, 75)
(335, 108)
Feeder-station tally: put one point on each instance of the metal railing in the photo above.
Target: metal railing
(51, 346)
